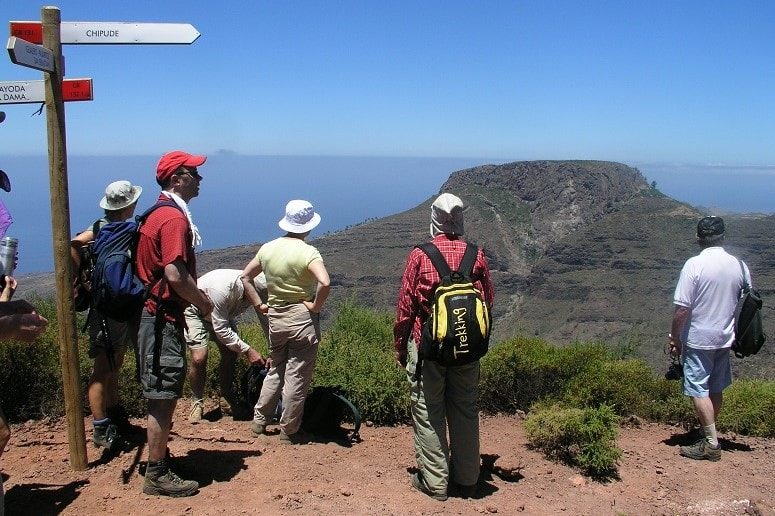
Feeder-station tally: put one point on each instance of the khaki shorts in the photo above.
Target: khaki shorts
(199, 331)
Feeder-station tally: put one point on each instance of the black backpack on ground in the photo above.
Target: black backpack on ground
(325, 408)
(749, 331)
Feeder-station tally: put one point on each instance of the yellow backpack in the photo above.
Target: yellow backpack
(457, 331)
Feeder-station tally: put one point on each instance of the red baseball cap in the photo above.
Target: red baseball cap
(171, 161)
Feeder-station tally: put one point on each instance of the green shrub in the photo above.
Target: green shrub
(585, 438)
(749, 408)
(623, 385)
(30, 375)
(518, 372)
(357, 355)
(668, 404)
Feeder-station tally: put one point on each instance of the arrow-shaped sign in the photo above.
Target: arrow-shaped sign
(28, 92)
(110, 33)
(29, 55)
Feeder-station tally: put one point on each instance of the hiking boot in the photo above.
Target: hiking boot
(119, 416)
(107, 436)
(701, 450)
(162, 481)
(298, 437)
(257, 429)
(197, 410)
(419, 484)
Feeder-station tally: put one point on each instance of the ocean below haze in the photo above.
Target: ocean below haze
(242, 197)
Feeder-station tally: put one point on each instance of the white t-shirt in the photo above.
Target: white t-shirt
(710, 285)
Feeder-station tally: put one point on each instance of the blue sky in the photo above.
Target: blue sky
(660, 81)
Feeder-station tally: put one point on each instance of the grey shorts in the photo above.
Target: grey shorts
(122, 335)
(162, 364)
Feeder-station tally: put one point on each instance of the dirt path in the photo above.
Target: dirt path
(240, 474)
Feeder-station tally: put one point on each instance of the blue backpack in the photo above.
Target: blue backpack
(116, 291)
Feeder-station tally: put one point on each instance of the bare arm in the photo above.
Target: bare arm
(75, 245)
(22, 326)
(681, 316)
(318, 269)
(183, 284)
(251, 270)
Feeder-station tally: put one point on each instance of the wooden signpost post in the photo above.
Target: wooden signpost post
(24, 50)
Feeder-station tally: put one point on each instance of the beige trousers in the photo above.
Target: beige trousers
(294, 336)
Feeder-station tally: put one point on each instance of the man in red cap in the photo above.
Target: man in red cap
(167, 265)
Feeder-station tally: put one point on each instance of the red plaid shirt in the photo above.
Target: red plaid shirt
(420, 281)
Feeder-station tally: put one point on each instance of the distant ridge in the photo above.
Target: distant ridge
(579, 250)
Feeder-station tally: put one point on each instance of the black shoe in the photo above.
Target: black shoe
(701, 450)
(108, 437)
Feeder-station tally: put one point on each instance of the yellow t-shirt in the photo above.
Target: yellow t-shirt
(284, 261)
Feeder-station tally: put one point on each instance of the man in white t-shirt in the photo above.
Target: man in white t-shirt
(703, 329)
(227, 293)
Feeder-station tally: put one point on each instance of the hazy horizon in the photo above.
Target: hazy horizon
(346, 190)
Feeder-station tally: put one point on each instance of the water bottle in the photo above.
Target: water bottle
(8, 247)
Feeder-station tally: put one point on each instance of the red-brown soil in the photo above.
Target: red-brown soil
(240, 474)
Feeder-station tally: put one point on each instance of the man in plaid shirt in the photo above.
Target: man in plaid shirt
(440, 396)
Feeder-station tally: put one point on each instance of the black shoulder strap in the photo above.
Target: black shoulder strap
(169, 202)
(469, 260)
(746, 284)
(437, 259)
(96, 228)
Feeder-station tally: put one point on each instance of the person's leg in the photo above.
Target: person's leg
(197, 335)
(271, 389)
(430, 429)
(197, 371)
(226, 368)
(463, 421)
(5, 434)
(698, 365)
(159, 423)
(163, 372)
(98, 386)
(302, 354)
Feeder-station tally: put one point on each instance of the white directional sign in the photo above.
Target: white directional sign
(30, 55)
(110, 33)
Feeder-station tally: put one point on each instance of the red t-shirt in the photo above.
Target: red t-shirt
(165, 237)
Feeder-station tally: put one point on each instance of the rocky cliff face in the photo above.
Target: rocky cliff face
(579, 250)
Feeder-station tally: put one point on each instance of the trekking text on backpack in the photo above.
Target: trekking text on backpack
(457, 331)
(749, 331)
(116, 290)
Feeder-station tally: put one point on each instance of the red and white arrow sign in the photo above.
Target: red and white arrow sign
(28, 92)
(110, 33)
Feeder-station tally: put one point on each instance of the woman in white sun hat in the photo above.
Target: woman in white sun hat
(109, 418)
(298, 284)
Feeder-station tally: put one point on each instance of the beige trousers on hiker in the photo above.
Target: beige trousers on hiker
(445, 397)
(294, 335)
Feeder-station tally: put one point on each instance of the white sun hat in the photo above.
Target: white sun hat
(300, 217)
(120, 194)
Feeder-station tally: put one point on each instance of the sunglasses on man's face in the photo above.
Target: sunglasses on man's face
(193, 173)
